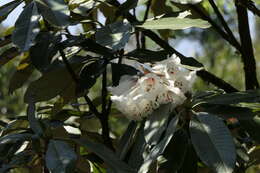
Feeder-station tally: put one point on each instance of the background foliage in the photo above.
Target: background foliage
(56, 115)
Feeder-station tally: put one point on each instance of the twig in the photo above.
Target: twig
(224, 23)
(251, 6)
(247, 47)
(219, 30)
(76, 80)
(144, 19)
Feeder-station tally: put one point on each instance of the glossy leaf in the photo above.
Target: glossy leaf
(8, 55)
(217, 149)
(83, 7)
(14, 126)
(21, 76)
(26, 27)
(156, 124)
(145, 55)
(6, 9)
(53, 83)
(126, 140)
(174, 23)
(158, 149)
(187, 1)
(60, 157)
(115, 35)
(250, 96)
(43, 51)
(107, 155)
(55, 11)
(119, 70)
(33, 121)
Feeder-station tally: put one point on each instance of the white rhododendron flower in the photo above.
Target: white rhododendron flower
(161, 83)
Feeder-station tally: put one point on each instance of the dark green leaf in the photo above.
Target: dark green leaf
(145, 55)
(156, 124)
(115, 35)
(217, 149)
(158, 149)
(83, 7)
(14, 126)
(126, 140)
(56, 82)
(33, 121)
(250, 96)
(174, 23)
(138, 150)
(55, 11)
(20, 76)
(8, 55)
(127, 5)
(26, 27)
(6, 9)
(60, 157)
(175, 152)
(90, 72)
(118, 70)
(42, 52)
(14, 138)
(187, 1)
(107, 155)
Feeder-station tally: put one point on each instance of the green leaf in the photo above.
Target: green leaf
(90, 72)
(158, 149)
(83, 7)
(187, 1)
(21, 76)
(42, 52)
(127, 5)
(14, 138)
(118, 70)
(174, 23)
(55, 11)
(14, 126)
(107, 155)
(217, 149)
(175, 152)
(250, 96)
(8, 55)
(6, 9)
(26, 27)
(33, 121)
(126, 140)
(60, 157)
(115, 35)
(156, 124)
(54, 82)
(145, 55)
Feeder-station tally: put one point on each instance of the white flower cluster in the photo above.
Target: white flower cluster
(162, 83)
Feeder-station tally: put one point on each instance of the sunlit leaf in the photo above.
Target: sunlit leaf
(158, 149)
(55, 11)
(115, 35)
(187, 1)
(217, 149)
(174, 23)
(60, 157)
(26, 27)
(8, 55)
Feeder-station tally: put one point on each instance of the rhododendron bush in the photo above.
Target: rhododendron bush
(107, 92)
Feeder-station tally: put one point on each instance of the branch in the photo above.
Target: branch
(144, 19)
(219, 30)
(76, 80)
(251, 6)
(247, 47)
(224, 23)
